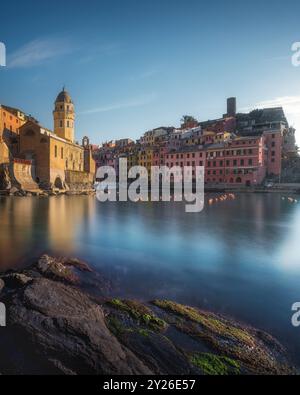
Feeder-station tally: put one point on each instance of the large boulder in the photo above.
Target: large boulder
(65, 332)
(51, 267)
(15, 280)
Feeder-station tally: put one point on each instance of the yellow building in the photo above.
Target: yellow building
(56, 161)
(145, 157)
(64, 116)
(132, 159)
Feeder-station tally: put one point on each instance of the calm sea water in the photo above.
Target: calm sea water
(239, 257)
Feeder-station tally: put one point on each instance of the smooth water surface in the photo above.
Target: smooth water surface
(238, 257)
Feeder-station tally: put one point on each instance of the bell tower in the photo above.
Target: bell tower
(64, 116)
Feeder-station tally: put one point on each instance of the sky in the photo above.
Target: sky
(133, 65)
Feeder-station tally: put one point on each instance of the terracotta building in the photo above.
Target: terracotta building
(11, 119)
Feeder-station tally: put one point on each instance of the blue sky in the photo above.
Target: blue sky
(133, 65)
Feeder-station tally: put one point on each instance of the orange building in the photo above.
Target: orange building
(11, 119)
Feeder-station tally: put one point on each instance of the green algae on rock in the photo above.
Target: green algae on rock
(255, 352)
(74, 332)
(139, 312)
(212, 364)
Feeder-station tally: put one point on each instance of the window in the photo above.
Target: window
(273, 153)
(60, 124)
(242, 162)
(55, 151)
(68, 124)
(250, 162)
(235, 162)
(273, 143)
(29, 132)
(62, 153)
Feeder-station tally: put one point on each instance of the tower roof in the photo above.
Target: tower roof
(63, 96)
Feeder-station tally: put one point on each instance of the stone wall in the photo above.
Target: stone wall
(23, 172)
(18, 174)
(77, 180)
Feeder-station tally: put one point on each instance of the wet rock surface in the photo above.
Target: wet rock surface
(2, 284)
(55, 326)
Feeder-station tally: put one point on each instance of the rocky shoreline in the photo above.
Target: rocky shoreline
(46, 193)
(56, 326)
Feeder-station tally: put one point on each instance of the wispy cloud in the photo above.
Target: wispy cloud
(133, 102)
(38, 51)
(145, 74)
(290, 104)
(97, 51)
(276, 58)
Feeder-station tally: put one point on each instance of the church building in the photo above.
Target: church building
(57, 161)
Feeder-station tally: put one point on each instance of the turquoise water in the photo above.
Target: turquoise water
(238, 257)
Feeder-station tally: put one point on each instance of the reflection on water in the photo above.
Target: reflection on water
(239, 257)
(31, 226)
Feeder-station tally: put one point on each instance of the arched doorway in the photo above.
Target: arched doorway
(58, 183)
(239, 180)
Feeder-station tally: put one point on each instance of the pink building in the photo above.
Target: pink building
(240, 161)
